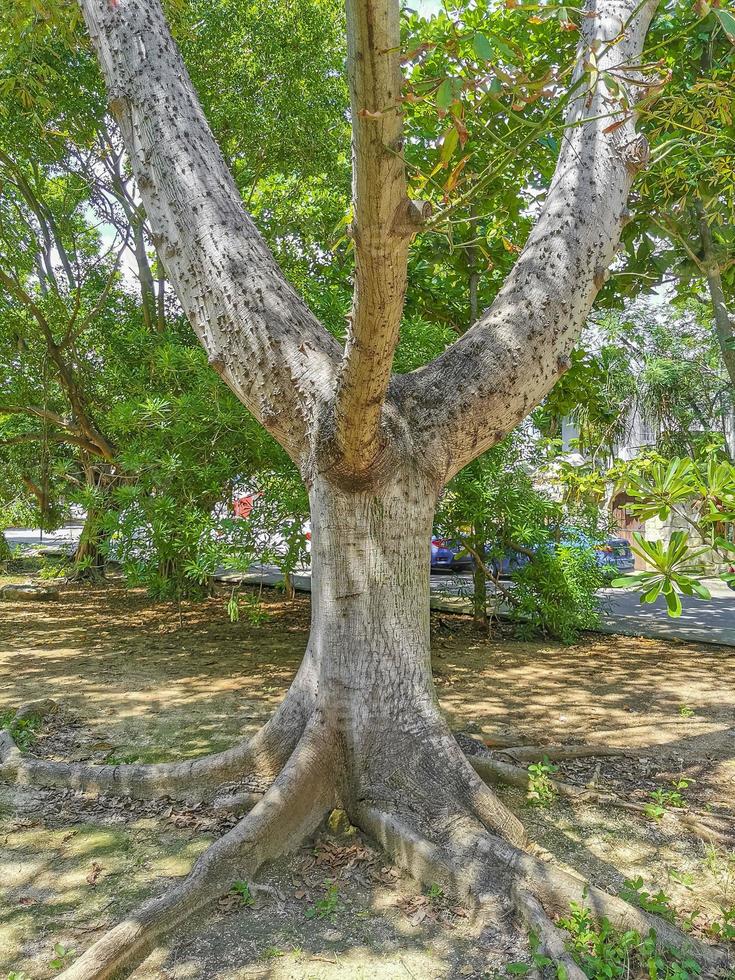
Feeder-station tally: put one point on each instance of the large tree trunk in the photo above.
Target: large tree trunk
(367, 670)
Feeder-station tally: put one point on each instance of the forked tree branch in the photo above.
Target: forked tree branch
(259, 335)
(384, 221)
(514, 354)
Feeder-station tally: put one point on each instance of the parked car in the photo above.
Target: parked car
(614, 555)
(450, 556)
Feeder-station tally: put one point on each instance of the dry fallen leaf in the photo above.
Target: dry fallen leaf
(94, 874)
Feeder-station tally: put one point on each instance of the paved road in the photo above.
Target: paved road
(703, 621)
(27, 537)
(621, 611)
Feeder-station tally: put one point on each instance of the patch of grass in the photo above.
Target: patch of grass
(325, 907)
(242, 888)
(541, 789)
(24, 730)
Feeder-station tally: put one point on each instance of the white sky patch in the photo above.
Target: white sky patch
(427, 8)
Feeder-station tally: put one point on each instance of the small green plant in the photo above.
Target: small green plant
(23, 730)
(62, 956)
(724, 927)
(541, 789)
(16, 975)
(604, 953)
(664, 799)
(242, 888)
(435, 893)
(272, 953)
(685, 711)
(325, 907)
(539, 962)
(683, 878)
(633, 891)
(248, 605)
(53, 569)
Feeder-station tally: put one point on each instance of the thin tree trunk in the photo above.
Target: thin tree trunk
(145, 277)
(89, 556)
(479, 578)
(724, 326)
(5, 553)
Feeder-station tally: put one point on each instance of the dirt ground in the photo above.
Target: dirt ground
(136, 683)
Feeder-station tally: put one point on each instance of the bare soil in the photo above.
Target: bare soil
(138, 681)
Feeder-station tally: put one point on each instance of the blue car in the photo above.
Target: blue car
(450, 556)
(613, 555)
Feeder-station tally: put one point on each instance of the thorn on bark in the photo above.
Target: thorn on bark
(636, 154)
(217, 362)
(563, 363)
(601, 276)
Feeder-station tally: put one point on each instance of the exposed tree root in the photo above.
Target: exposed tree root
(291, 809)
(510, 746)
(428, 807)
(711, 827)
(557, 753)
(264, 755)
(490, 870)
(551, 939)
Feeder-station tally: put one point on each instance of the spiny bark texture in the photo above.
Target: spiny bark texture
(258, 333)
(511, 358)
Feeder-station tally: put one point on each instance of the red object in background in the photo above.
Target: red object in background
(243, 506)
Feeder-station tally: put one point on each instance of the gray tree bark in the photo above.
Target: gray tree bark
(361, 724)
(724, 322)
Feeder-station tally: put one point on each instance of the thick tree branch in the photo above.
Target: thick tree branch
(61, 437)
(518, 349)
(259, 334)
(66, 376)
(39, 413)
(384, 221)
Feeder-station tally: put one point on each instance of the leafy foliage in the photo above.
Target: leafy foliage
(495, 502)
(701, 495)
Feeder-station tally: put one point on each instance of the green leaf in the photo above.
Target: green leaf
(701, 590)
(445, 94)
(727, 21)
(482, 47)
(626, 581)
(450, 141)
(518, 969)
(674, 604)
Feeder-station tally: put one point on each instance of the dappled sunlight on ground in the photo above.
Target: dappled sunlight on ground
(143, 686)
